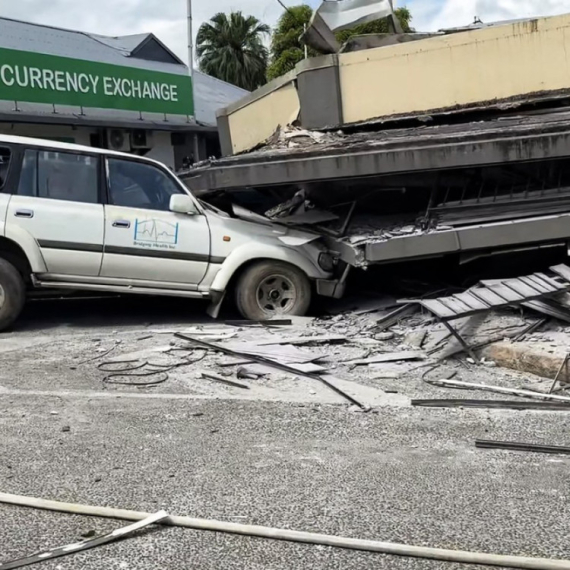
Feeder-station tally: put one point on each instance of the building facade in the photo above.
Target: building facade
(128, 93)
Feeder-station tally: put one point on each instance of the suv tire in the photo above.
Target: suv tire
(269, 289)
(12, 294)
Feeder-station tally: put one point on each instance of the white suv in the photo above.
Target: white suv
(81, 218)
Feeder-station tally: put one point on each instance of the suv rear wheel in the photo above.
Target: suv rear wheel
(270, 289)
(12, 294)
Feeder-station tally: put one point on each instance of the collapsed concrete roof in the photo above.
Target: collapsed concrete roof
(338, 156)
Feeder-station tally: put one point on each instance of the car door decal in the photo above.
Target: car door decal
(156, 234)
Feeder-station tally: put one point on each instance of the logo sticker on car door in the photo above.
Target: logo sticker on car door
(156, 234)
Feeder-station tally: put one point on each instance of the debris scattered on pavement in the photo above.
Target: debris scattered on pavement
(275, 364)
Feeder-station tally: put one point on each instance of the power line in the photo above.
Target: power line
(286, 8)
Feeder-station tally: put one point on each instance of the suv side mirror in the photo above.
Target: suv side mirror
(183, 204)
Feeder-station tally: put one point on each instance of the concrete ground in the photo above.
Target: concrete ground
(286, 453)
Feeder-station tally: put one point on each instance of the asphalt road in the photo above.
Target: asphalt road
(397, 474)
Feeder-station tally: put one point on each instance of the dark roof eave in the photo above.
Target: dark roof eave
(104, 123)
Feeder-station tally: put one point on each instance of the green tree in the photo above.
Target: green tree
(378, 27)
(286, 47)
(287, 50)
(230, 48)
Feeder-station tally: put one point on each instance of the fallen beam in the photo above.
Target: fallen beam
(459, 556)
(493, 404)
(512, 446)
(118, 534)
(276, 365)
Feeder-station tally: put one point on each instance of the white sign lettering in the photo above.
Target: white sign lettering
(65, 81)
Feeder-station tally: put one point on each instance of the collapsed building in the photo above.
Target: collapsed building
(457, 143)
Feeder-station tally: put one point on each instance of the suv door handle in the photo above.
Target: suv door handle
(122, 224)
(24, 213)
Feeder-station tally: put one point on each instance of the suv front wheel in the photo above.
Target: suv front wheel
(12, 294)
(270, 289)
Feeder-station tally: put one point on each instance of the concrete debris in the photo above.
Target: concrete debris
(223, 380)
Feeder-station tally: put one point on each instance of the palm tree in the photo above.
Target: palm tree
(231, 48)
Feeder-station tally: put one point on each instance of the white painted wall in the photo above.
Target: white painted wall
(162, 149)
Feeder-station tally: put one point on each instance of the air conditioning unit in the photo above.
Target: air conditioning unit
(119, 139)
(141, 139)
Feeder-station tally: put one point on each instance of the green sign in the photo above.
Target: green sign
(41, 78)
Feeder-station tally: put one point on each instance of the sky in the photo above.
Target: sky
(167, 18)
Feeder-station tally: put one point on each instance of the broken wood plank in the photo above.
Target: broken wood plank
(389, 357)
(523, 289)
(455, 305)
(471, 301)
(490, 298)
(438, 308)
(538, 284)
(555, 284)
(562, 270)
(506, 293)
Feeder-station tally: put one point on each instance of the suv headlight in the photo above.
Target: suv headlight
(327, 262)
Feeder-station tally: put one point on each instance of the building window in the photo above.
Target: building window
(5, 160)
(60, 176)
(137, 185)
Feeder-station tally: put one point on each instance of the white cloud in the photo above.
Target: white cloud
(462, 12)
(167, 18)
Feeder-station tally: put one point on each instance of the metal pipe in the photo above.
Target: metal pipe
(459, 556)
(190, 39)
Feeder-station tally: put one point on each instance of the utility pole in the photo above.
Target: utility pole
(190, 39)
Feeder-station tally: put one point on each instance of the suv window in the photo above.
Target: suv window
(137, 185)
(5, 158)
(60, 176)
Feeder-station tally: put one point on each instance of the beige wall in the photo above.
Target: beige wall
(162, 149)
(459, 69)
(258, 120)
(444, 72)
